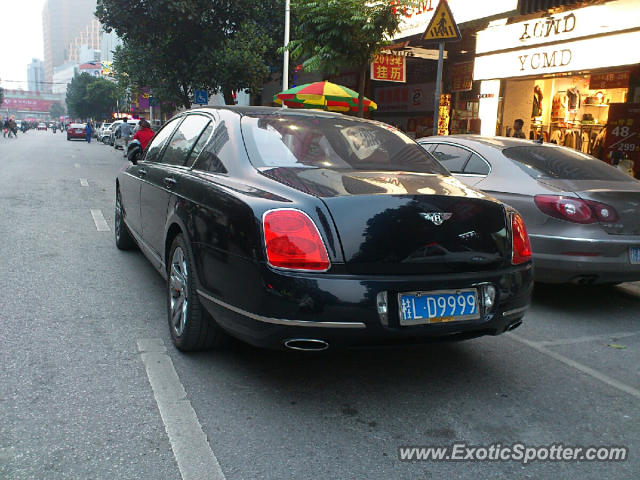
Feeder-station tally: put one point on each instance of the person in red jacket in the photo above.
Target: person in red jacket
(144, 133)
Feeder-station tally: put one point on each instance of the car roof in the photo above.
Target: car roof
(496, 142)
(256, 110)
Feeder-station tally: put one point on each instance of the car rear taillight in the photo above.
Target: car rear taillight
(520, 245)
(293, 241)
(575, 209)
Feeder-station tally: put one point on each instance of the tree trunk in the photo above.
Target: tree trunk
(363, 77)
(227, 93)
(186, 101)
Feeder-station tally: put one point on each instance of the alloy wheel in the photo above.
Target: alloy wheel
(178, 291)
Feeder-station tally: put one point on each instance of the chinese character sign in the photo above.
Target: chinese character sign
(389, 68)
(461, 77)
(623, 132)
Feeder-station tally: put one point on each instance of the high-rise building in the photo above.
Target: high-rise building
(63, 21)
(87, 39)
(35, 76)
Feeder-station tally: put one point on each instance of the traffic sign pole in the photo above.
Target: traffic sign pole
(442, 28)
(436, 100)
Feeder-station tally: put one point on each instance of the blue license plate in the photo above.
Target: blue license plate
(438, 307)
(634, 254)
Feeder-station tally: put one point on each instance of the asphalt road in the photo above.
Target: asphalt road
(76, 396)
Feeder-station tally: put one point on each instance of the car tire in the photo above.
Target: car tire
(191, 326)
(124, 239)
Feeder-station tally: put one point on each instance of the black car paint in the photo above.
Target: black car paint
(221, 216)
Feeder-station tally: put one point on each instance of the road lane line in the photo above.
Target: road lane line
(189, 443)
(578, 366)
(98, 219)
(84, 182)
(592, 338)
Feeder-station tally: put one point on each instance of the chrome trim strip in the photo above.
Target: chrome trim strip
(282, 321)
(514, 311)
(589, 240)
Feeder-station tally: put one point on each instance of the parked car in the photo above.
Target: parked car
(304, 229)
(112, 130)
(42, 126)
(581, 213)
(77, 130)
(119, 141)
(104, 132)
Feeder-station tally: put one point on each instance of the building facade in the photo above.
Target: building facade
(62, 22)
(35, 76)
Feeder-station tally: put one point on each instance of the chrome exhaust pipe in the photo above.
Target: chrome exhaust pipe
(306, 344)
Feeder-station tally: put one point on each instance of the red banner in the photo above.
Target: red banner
(600, 81)
(27, 104)
(389, 68)
(461, 77)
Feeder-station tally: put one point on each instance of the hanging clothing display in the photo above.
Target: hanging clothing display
(557, 137)
(536, 111)
(559, 107)
(573, 96)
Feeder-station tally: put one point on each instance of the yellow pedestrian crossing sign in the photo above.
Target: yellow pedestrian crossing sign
(442, 26)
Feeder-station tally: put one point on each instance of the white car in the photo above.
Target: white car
(104, 132)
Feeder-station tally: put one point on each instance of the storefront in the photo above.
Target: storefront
(570, 75)
(407, 101)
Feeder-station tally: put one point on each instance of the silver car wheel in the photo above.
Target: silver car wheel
(178, 291)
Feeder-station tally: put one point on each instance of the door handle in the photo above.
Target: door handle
(142, 172)
(169, 181)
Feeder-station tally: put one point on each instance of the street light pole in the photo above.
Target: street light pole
(285, 67)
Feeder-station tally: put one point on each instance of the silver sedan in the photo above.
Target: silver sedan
(583, 215)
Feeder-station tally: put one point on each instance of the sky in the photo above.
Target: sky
(20, 39)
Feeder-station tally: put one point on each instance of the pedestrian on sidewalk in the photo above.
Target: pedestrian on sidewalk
(89, 131)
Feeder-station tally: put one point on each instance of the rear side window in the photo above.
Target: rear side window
(197, 148)
(477, 166)
(155, 148)
(451, 157)
(183, 140)
(336, 143)
(561, 163)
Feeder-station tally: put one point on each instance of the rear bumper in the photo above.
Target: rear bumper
(584, 261)
(341, 309)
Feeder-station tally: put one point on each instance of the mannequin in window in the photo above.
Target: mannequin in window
(537, 102)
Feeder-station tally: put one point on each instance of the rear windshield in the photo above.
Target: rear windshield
(562, 163)
(299, 141)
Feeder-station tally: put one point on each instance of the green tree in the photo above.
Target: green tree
(56, 110)
(174, 47)
(91, 97)
(332, 34)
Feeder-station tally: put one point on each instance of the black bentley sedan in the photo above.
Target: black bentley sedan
(308, 230)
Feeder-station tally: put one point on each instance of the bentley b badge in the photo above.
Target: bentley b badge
(438, 218)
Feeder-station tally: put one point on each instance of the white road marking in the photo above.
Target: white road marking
(578, 366)
(188, 442)
(98, 219)
(592, 338)
(77, 165)
(84, 182)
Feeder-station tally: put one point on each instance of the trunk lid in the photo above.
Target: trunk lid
(408, 223)
(624, 197)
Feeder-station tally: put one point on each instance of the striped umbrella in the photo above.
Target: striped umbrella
(324, 95)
